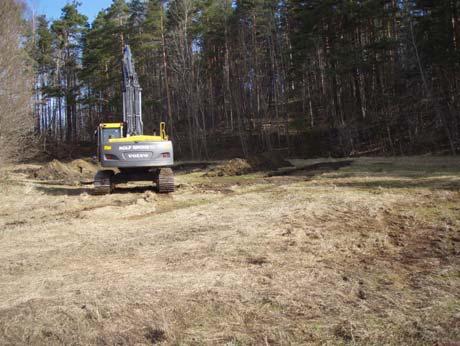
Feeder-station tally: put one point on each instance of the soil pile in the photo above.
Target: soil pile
(263, 162)
(230, 168)
(72, 172)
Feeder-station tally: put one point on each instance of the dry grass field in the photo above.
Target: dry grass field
(367, 254)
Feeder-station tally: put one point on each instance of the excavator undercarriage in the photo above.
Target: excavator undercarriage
(106, 180)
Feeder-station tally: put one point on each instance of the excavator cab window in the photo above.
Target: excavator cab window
(109, 133)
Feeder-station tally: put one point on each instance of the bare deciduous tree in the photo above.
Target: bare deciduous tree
(16, 121)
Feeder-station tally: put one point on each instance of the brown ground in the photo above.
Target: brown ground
(364, 254)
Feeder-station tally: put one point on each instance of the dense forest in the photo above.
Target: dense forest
(313, 77)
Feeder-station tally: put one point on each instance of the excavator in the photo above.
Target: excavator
(125, 151)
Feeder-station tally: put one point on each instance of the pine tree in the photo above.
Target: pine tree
(69, 31)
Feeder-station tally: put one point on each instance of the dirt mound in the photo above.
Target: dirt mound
(263, 162)
(230, 168)
(70, 172)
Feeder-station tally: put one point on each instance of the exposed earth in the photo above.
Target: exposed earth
(324, 252)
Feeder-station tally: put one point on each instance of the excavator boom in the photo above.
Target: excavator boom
(132, 96)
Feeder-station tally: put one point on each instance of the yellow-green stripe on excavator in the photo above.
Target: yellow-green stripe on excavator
(139, 138)
(111, 125)
(136, 139)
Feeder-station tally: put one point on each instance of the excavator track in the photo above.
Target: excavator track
(103, 184)
(165, 180)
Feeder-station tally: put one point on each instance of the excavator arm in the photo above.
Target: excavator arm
(132, 96)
